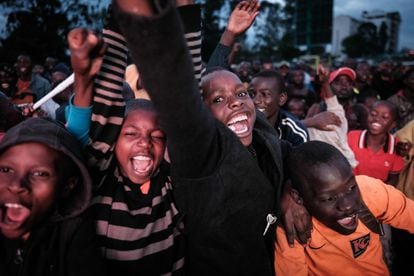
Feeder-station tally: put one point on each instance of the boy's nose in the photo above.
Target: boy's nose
(235, 102)
(345, 203)
(144, 141)
(17, 185)
(257, 99)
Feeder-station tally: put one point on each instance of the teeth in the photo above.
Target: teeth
(141, 158)
(261, 109)
(241, 130)
(376, 125)
(13, 205)
(237, 119)
(346, 220)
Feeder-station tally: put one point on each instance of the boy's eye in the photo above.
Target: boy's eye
(252, 93)
(158, 136)
(242, 93)
(328, 200)
(41, 174)
(352, 188)
(218, 99)
(129, 134)
(5, 170)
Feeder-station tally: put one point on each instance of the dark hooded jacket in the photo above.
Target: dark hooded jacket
(64, 243)
(225, 190)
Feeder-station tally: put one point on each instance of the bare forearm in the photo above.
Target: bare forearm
(83, 87)
(326, 89)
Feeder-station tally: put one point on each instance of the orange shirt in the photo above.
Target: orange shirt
(360, 253)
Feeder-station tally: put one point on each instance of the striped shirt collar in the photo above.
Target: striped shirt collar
(388, 146)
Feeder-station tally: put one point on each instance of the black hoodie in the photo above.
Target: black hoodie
(64, 244)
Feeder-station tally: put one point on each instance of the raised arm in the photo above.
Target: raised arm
(86, 58)
(87, 51)
(335, 113)
(241, 18)
(190, 14)
(158, 48)
(108, 101)
(98, 99)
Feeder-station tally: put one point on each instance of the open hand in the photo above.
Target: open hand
(242, 17)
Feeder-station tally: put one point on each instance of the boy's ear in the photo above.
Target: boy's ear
(283, 98)
(71, 183)
(296, 196)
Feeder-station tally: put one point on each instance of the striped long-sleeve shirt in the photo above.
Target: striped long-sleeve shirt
(137, 232)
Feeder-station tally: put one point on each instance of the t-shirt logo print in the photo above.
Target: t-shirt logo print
(360, 245)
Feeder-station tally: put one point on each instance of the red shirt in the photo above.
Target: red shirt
(375, 164)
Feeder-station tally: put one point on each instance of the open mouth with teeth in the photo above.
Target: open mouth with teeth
(23, 69)
(239, 124)
(349, 222)
(375, 126)
(142, 164)
(13, 215)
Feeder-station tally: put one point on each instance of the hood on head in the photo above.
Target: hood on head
(55, 136)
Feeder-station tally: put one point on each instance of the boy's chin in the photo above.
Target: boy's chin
(15, 234)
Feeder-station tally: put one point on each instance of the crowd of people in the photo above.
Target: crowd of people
(154, 162)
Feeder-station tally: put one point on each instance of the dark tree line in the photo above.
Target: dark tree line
(273, 30)
(39, 27)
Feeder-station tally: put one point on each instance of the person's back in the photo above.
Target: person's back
(345, 209)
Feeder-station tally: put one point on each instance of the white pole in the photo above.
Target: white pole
(59, 88)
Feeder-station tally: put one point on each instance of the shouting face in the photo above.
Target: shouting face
(229, 102)
(332, 196)
(140, 146)
(29, 181)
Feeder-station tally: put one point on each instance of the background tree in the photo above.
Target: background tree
(287, 47)
(367, 42)
(39, 27)
(353, 46)
(267, 31)
(264, 41)
(211, 26)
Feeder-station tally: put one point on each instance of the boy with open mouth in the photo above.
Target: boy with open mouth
(347, 211)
